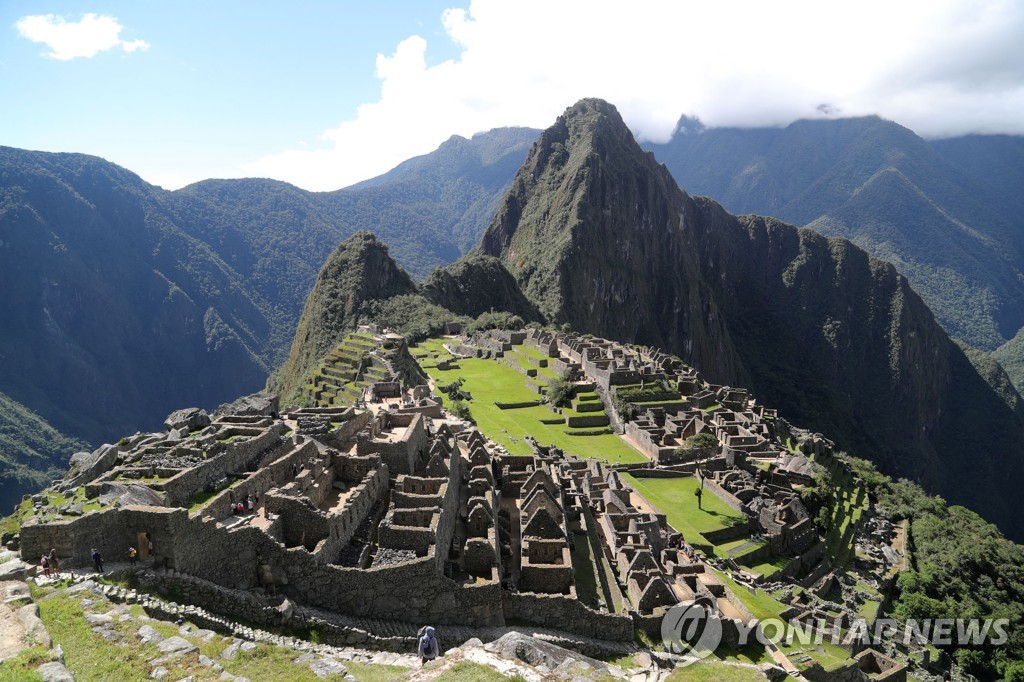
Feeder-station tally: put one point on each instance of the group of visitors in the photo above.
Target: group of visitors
(248, 505)
(49, 564)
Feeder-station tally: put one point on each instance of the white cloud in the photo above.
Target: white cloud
(87, 37)
(941, 68)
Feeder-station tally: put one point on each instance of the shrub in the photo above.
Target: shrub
(625, 409)
(461, 410)
(561, 391)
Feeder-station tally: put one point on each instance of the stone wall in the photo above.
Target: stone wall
(681, 472)
(259, 482)
(411, 591)
(567, 613)
(546, 578)
(645, 440)
(302, 524)
(584, 421)
(717, 537)
(237, 458)
(349, 428)
(401, 456)
(111, 532)
(360, 502)
(845, 673)
(724, 495)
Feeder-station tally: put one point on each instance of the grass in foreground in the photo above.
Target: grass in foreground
(90, 657)
(22, 668)
(467, 671)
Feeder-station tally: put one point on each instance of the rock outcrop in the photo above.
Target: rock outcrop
(477, 284)
(360, 270)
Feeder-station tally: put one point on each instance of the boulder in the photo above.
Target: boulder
(173, 645)
(191, 419)
(255, 405)
(54, 672)
(326, 667)
(85, 466)
(130, 494)
(16, 591)
(15, 569)
(33, 628)
(175, 435)
(538, 653)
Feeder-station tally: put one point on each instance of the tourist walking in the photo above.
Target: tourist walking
(97, 560)
(133, 556)
(45, 563)
(54, 564)
(428, 648)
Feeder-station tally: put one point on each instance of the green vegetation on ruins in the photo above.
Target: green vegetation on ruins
(837, 501)
(961, 567)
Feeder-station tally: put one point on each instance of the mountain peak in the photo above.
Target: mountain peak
(358, 271)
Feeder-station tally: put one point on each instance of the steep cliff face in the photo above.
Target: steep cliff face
(358, 272)
(945, 213)
(598, 235)
(476, 284)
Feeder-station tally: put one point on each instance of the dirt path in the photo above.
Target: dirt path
(11, 627)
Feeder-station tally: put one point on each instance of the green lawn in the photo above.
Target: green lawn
(489, 381)
(771, 565)
(522, 356)
(532, 352)
(468, 671)
(715, 672)
(674, 497)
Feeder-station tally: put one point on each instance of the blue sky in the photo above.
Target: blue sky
(324, 94)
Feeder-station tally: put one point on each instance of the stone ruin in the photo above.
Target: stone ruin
(402, 513)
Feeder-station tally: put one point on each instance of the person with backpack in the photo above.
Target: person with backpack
(54, 564)
(97, 560)
(132, 556)
(428, 647)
